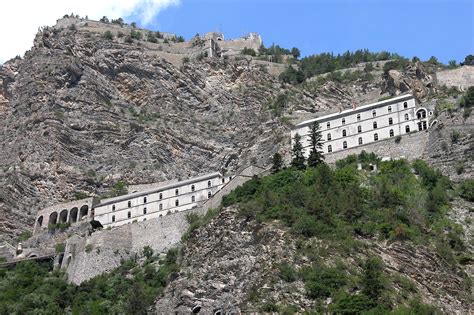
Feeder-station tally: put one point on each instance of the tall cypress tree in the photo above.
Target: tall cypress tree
(316, 142)
(277, 163)
(298, 159)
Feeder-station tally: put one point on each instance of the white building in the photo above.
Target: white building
(137, 206)
(365, 124)
(158, 201)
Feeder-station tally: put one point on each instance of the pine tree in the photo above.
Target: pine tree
(277, 163)
(316, 142)
(297, 153)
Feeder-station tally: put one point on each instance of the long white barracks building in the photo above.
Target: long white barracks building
(365, 124)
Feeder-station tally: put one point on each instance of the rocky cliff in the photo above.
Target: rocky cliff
(81, 112)
(233, 264)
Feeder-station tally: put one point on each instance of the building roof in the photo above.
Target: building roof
(355, 110)
(158, 189)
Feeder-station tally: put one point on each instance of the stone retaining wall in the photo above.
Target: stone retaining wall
(88, 256)
(411, 146)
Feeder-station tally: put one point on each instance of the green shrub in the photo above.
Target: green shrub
(466, 190)
(60, 247)
(287, 273)
(322, 281)
(248, 51)
(24, 236)
(88, 248)
(108, 35)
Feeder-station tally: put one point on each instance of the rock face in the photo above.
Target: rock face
(232, 258)
(413, 78)
(80, 113)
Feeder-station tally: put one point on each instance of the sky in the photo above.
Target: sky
(422, 28)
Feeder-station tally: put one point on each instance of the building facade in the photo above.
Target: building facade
(137, 206)
(365, 124)
(159, 201)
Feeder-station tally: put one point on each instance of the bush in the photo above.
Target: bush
(466, 190)
(455, 135)
(108, 35)
(321, 281)
(60, 247)
(136, 35)
(249, 52)
(287, 273)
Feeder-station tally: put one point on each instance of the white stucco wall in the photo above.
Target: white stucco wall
(158, 201)
(394, 115)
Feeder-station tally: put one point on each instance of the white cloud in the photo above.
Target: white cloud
(20, 19)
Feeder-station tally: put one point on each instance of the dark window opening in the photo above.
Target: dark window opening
(329, 148)
(376, 137)
(344, 145)
(360, 140)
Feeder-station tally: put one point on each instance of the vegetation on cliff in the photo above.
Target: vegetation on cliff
(31, 288)
(401, 202)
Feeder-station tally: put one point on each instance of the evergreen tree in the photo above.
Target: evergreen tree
(277, 163)
(373, 281)
(315, 154)
(298, 160)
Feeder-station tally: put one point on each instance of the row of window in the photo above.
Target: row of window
(374, 114)
(359, 128)
(160, 206)
(176, 192)
(376, 137)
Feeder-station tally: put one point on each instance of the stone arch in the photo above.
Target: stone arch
(39, 224)
(421, 113)
(39, 221)
(53, 218)
(63, 216)
(84, 211)
(32, 255)
(73, 215)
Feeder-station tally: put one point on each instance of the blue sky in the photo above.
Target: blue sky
(442, 28)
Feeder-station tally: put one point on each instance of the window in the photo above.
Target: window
(329, 136)
(406, 117)
(390, 109)
(328, 125)
(344, 133)
(129, 214)
(358, 117)
(343, 121)
(176, 192)
(193, 199)
(407, 129)
(374, 113)
(376, 137)
(344, 145)
(391, 133)
(209, 194)
(359, 128)
(113, 218)
(208, 183)
(113, 207)
(360, 140)
(144, 199)
(176, 203)
(223, 181)
(129, 204)
(375, 125)
(390, 121)
(161, 206)
(329, 148)
(405, 105)
(193, 188)
(144, 210)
